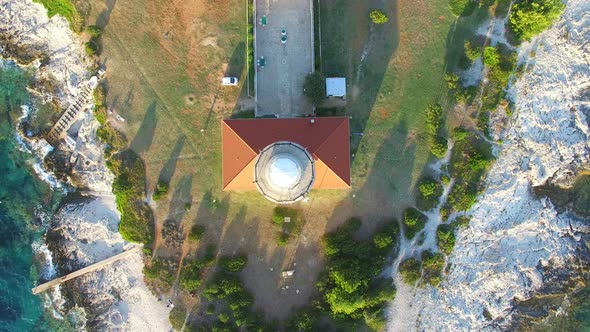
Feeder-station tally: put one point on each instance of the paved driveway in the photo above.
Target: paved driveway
(279, 85)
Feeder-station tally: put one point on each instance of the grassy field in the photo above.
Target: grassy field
(394, 71)
(164, 61)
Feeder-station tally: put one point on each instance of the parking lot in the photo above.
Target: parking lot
(279, 83)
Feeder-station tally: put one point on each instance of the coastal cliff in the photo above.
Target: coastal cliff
(85, 229)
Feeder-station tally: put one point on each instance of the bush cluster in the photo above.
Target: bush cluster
(233, 264)
(429, 192)
(129, 188)
(429, 269)
(472, 52)
(414, 222)
(351, 289)
(470, 160)
(502, 64)
(528, 18)
(462, 7)
(378, 16)
(434, 126)
(409, 269)
(432, 267)
(491, 57)
(445, 238)
(190, 275)
(161, 190)
(160, 270)
(64, 8)
(227, 291)
(196, 233)
(314, 88)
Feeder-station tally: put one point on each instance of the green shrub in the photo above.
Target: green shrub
(378, 16)
(445, 180)
(383, 240)
(414, 221)
(387, 237)
(439, 147)
(410, 271)
(64, 8)
(528, 18)
(452, 80)
(472, 52)
(282, 239)
(445, 238)
(196, 233)
(432, 266)
(434, 118)
(100, 115)
(136, 223)
(91, 48)
(233, 264)
(460, 134)
(491, 57)
(462, 196)
(461, 222)
(210, 309)
(429, 193)
(159, 270)
(223, 317)
(305, 320)
(161, 190)
(465, 95)
(94, 31)
(177, 317)
(462, 7)
(190, 275)
(314, 87)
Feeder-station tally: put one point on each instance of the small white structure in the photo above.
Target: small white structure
(336, 87)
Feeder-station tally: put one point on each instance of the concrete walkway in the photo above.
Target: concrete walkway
(279, 85)
(90, 268)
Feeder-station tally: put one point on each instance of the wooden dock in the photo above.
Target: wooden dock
(90, 268)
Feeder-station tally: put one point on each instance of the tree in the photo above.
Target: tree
(491, 57)
(410, 271)
(233, 264)
(445, 238)
(378, 16)
(196, 233)
(314, 87)
(472, 52)
(452, 80)
(528, 18)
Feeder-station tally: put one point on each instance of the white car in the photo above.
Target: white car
(229, 81)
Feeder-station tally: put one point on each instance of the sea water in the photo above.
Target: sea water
(26, 202)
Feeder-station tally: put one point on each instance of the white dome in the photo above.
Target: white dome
(284, 171)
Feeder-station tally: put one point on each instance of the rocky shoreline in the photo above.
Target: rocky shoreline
(522, 254)
(85, 228)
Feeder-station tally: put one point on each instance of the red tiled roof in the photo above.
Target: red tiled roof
(327, 140)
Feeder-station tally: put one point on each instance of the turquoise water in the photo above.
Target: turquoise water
(23, 199)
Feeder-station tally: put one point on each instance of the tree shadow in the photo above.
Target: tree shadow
(170, 167)
(237, 61)
(145, 135)
(104, 17)
(180, 198)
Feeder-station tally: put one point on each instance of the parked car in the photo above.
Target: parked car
(229, 81)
